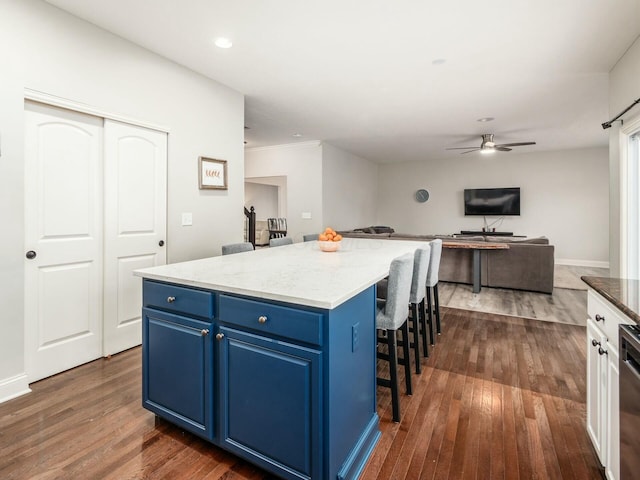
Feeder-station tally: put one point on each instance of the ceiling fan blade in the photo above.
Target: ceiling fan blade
(519, 144)
(459, 148)
(473, 150)
(501, 148)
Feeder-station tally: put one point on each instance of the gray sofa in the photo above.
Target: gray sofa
(528, 264)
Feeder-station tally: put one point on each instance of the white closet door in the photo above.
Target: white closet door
(135, 225)
(63, 229)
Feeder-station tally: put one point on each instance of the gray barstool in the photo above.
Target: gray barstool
(416, 299)
(280, 241)
(310, 237)
(237, 248)
(432, 284)
(391, 316)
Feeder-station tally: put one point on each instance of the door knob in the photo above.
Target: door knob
(31, 255)
(161, 243)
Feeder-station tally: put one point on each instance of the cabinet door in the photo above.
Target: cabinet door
(270, 403)
(612, 469)
(596, 389)
(177, 370)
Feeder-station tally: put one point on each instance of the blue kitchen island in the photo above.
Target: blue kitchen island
(270, 354)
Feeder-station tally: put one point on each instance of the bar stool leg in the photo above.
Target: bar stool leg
(393, 371)
(407, 356)
(430, 317)
(416, 336)
(437, 303)
(422, 314)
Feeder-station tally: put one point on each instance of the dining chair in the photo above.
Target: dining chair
(280, 241)
(432, 285)
(236, 248)
(310, 237)
(391, 317)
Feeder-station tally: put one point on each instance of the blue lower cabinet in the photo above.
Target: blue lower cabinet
(270, 403)
(177, 370)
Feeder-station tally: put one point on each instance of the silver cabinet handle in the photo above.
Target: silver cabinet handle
(204, 332)
(171, 299)
(599, 318)
(220, 336)
(262, 319)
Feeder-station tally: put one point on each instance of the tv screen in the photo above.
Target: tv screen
(492, 201)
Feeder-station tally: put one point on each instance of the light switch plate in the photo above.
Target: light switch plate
(187, 219)
(306, 214)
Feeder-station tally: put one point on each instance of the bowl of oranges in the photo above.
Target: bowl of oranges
(329, 240)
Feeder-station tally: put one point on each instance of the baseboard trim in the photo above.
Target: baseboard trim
(581, 263)
(13, 387)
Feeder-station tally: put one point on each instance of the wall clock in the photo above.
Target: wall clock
(422, 195)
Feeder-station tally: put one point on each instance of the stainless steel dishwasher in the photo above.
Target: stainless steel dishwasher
(629, 402)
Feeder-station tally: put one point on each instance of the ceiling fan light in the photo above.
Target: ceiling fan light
(487, 150)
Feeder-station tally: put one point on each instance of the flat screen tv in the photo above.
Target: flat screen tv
(492, 201)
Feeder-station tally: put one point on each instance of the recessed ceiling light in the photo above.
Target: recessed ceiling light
(223, 42)
(486, 119)
(438, 61)
(297, 135)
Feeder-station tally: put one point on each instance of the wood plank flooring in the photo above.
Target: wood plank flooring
(499, 398)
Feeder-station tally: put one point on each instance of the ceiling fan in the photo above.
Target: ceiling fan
(488, 145)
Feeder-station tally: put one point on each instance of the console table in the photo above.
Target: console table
(270, 354)
(476, 247)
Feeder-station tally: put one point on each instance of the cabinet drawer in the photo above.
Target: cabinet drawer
(609, 317)
(173, 298)
(272, 319)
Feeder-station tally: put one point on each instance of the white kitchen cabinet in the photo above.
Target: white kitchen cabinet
(603, 419)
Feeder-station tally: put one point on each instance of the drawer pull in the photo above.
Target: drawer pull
(204, 332)
(599, 318)
(262, 319)
(595, 343)
(220, 336)
(602, 351)
(171, 299)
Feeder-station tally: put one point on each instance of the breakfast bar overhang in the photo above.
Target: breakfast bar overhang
(270, 354)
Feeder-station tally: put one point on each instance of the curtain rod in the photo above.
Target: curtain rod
(606, 125)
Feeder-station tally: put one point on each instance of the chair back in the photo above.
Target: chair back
(280, 241)
(310, 237)
(399, 289)
(237, 248)
(434, 262)
(420, 269)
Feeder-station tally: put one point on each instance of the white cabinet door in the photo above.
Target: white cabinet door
(63, 228)
(135, 225)
(612, 469)
(596, 389)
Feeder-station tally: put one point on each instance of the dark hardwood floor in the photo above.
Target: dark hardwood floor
(499, 398)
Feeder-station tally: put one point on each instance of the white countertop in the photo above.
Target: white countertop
(298, 273)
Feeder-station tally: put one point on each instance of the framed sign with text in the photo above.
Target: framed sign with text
(212, 173)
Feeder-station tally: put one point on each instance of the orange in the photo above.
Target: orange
(322, 237)
(337, 238)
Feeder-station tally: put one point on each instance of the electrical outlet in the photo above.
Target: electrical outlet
(355, 337)
(187, 219)
(306, 215)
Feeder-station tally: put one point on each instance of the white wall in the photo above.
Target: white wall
(349, 189)
(301, 164)
(564, 196)
(624, 80)
(264, 198)
(45, 49)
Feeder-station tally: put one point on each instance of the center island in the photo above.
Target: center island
(271, 354)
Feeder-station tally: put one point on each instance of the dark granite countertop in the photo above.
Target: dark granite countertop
(621, 292)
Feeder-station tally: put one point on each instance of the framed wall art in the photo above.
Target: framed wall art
(212, 173)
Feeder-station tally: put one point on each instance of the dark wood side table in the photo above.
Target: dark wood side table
(476, 247)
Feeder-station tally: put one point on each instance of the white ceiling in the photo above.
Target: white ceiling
(359, 74)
